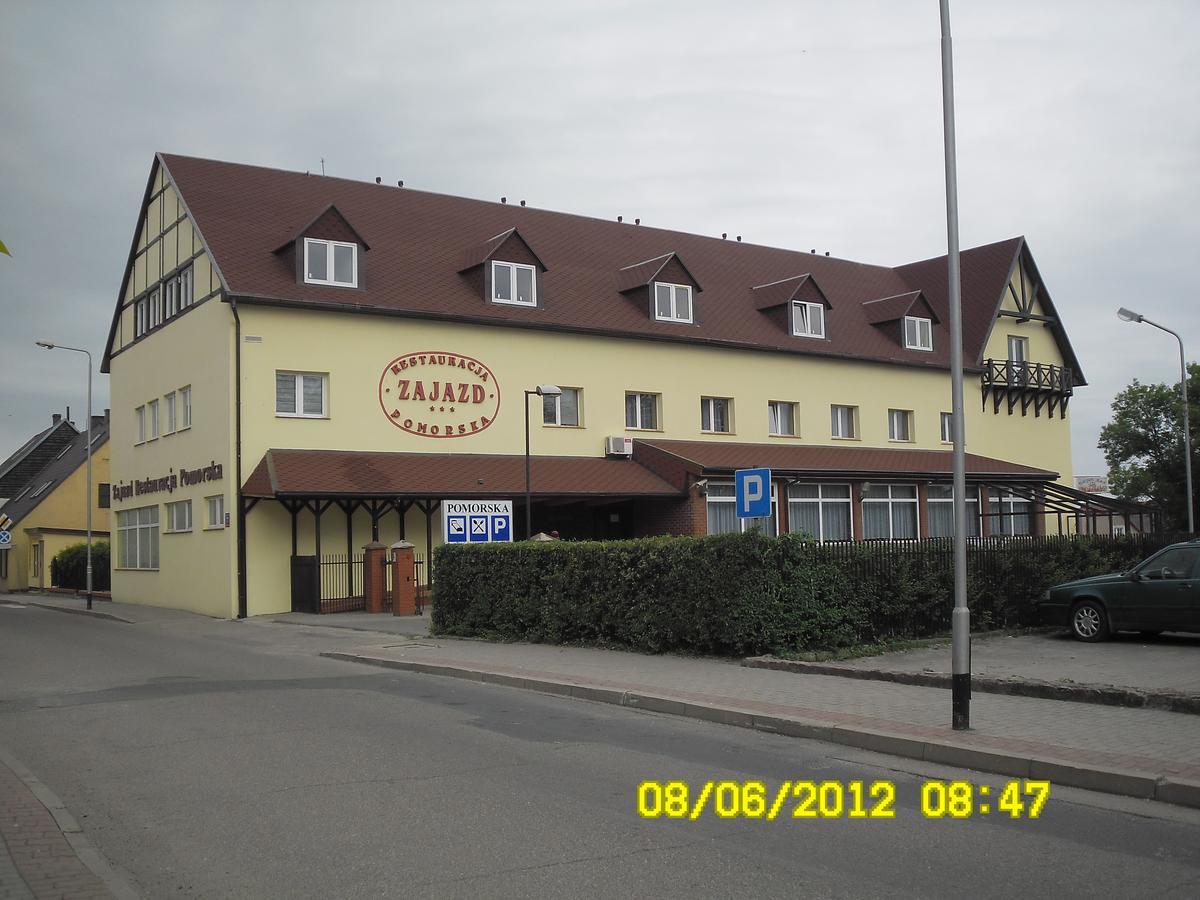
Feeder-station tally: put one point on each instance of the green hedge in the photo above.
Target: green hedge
(746, 593)
(69, 568)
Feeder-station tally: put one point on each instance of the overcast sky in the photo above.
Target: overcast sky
(797, 124)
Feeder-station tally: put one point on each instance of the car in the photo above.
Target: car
(1159, 594)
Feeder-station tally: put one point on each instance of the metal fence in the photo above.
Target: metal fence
(341, 581)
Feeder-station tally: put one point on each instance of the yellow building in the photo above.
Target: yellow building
(303, 363)
(48, 509)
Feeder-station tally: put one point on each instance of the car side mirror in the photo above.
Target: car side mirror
(1135, 576)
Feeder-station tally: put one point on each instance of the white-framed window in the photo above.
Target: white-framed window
(178, 292)
(185, 407)
(672, 302)
(947, 428)
(301, 394)
(641, 411)
(808, 319)
(1018, 348)
(514, 283)
(169, 407)
(900, 426)
(137, 538)
(722, 511)
(141, 316)
(716, 414)
(172, 292)
(890, 512)
(941, 510)
(918, 333)
(843, 421)
(781, 418)
(822, 511)
(179, 516)
(562, 409)
(140, 415)
(152, 415)
(330, 262)
(216, 511)
(1010, 514)
(154, 302)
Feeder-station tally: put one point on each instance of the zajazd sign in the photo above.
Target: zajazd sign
(439, 395)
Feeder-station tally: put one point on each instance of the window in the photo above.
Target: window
(808, 319)
(641, 411)
(1018, 349)
(104, 495)
(169, 407)
(900, 425)
(216, 511)
(947, 428)
(941, 511)
(714, 414)
(781, 418)
(844, 421)
(514, 283)
(889, 512)
(918, 333)
(152, 300)
(1175, 564)
(185, 407)
(179, 516)
(137, 538)
(141, 317)
(179, 293)
(820, 510)
(140, 415)
(153, 410)
(330, 262)
(563, 409)
(300, 394)
(1009, 515)
(722, 512)
(672, 302)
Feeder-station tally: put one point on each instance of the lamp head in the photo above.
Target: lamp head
(46, 344)
(548, 390)
(1128, 315)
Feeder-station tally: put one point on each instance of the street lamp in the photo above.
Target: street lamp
(49, 346)
(542, 390)
(1128, 315)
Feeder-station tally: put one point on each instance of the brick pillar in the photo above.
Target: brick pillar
(374, 559)
(404, 587)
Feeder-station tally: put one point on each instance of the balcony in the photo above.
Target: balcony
(1037, 385)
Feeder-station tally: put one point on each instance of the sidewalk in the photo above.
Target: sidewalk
(1137, 752)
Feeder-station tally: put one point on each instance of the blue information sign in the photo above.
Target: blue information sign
(752, 493)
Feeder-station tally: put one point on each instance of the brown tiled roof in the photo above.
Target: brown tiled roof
(846, 461)
(418, 241)
(343, 473)
(642, 273)
(481, 253)
(780, 293)
(889, 309)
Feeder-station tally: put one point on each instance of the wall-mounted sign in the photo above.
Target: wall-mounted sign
(477, 521)
(439, 395)
(214, 471)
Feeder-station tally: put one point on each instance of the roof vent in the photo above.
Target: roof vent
(55, 418)
(724, 234)
(637, 221)
(400, 183)
(503, 199)
(522, 202)
(378, 180)
(826, 252)
(739, 237)
(620, 218)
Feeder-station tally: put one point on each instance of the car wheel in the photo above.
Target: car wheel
(1089, 622)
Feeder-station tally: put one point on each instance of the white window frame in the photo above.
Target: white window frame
(512, 268)
(708, 406)
(822, 501)
(891, 501)
(129, 527)
(775, 423)
(947, 425)
(1005, 519)
(922, 330)
(556, 403)
(731, 499)
(1017, 340)
(171, 289)
(804, 309)
(674, 289)
(298, 387)
(152, 409)
(851, 421)
(641, 426)
(972, 514)
(220, 510)
(898, 417)
(311, 244)
(171, 407)
(139, 415)
(185, 407)
(141, 316)
(154, 302)
(179, 517)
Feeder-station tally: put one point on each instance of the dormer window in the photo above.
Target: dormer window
(514, 283)
(918, 333)
(808, 319)
(330, 262)
(673, 302)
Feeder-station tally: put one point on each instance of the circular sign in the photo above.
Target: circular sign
(439, 395)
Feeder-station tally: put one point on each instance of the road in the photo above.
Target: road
(226, 759)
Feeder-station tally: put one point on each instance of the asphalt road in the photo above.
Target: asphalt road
(226, 759)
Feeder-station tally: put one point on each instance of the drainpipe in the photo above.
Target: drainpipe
(237, 468)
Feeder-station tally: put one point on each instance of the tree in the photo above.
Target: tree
(1143, 444)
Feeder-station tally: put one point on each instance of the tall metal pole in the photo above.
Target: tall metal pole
(528, 488)
(1187, 430)
(960, 620)
(89, 481)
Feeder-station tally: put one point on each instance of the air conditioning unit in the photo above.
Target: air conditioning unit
(618, 446)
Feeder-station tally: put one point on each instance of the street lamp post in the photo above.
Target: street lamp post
(542, 390)
(1129, 315)
(88, 503)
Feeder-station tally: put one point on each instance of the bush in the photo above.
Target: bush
(746, 593)
(69, 568)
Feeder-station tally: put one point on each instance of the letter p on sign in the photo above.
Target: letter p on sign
(752, 493)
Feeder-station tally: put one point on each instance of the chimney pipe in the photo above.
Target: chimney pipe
(55, 418)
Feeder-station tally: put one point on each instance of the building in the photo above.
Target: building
(301, 363)
(48, 509)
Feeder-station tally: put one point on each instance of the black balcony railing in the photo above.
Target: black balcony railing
(1030, 385)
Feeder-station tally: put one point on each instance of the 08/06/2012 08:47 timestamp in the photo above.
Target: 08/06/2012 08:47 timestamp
(836, 800)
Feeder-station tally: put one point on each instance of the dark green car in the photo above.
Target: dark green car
(1160, 594)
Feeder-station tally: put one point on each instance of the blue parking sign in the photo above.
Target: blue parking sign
(501, 528)
(752, 493)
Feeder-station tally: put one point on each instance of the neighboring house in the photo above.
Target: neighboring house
(303, 363)
(34, 455)
(49, 511)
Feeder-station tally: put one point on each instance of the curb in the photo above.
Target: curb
(1143, 785)
(95, 614)
(1105, 695)
(84, 849)
(408, 634)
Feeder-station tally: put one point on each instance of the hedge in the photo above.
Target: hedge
(68, 569)
(747, 593)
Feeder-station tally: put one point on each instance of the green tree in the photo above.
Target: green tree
(1143, 444)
